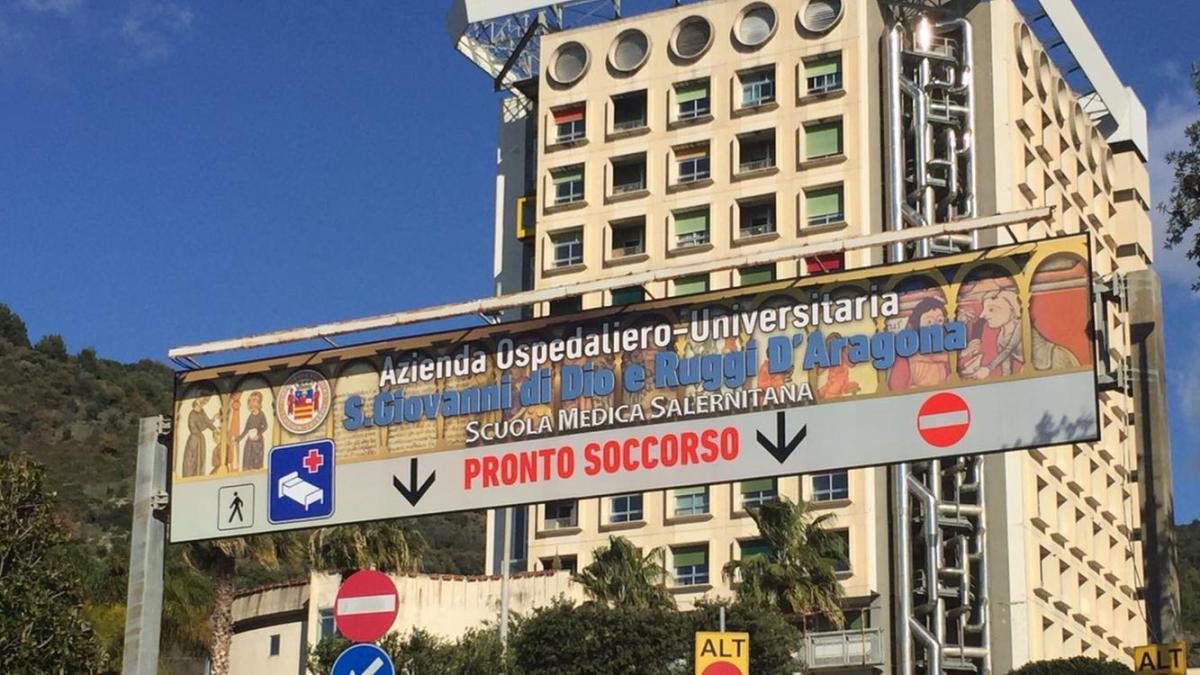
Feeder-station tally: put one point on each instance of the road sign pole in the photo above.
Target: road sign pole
(143, 613)
(505, 564)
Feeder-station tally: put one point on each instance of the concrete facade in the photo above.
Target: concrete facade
(1066, 561)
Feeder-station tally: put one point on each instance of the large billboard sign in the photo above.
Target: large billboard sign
(971, 353)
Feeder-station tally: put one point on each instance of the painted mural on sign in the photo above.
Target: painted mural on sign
(1013, 313)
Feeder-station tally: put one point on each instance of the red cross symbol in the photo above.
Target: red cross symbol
(313, 460)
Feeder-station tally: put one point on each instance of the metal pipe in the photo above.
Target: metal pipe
(933, 647)
(903, 516)
(894, 148)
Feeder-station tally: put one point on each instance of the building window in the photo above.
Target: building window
(755, 493)
(828, 487)
(754, 548)
(692, 162)
(690, 565)
(756, 151)
(326, 626)
(629, 111)
(569, 305)
(690, 285)
(629, 174)
(691, 227)
(823, 75)
(568, 248)
(824, 263)
(843, 562)
(566, 563)
(273, 645)
(568, 185)
(824, 205)
(560, 515)
(749, 276)
(692, 99)
(630, 295)
(823, 139)
(628, 237)
(756, 216)
(625, 509)
(758, 86)
(691, 501)
(569, 123)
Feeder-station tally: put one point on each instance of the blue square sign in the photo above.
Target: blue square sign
(300, 482)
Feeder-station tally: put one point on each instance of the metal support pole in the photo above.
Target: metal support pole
(505, 566)
(143, 614)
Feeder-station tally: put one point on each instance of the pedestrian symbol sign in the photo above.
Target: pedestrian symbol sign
(300, 482)
(722, 653)
(363, 659)
(235, 507)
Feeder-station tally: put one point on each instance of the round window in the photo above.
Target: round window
(569, 63)
(629, 51)
(756, 25)
(692, 37)
(820, 16)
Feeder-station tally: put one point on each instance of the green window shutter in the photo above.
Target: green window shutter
(822, 67)
(757, 548)
(687, 492)
(568, 175)
(823, 202)
(693, 91)
(757, 275)
(689, 556)
(691, 221)
(822, 140)
(691, 285)
(628, 296)
(760, 485)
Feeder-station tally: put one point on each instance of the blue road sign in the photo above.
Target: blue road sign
(363, 659)
(300, 482)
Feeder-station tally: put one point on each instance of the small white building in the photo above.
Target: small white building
(275, 626)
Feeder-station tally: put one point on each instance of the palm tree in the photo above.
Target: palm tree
(219, 560)
(622, 576)
(799, 572)
(385, 546)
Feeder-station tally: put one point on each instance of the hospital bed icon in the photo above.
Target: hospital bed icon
(299, 490)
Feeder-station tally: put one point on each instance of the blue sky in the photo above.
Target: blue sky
(173, 171)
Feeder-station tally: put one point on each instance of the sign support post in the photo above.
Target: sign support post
(505, 565)
(143, 615)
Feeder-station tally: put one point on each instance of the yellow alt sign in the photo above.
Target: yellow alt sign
(1168, 659)
(722, 654)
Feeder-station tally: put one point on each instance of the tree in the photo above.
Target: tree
(387, 546)
(42, 625)
(12, 328)
(1183, 206)
(1079, 665)
(620, 575)
(477, 652)
(52, 346)
(220, 560)
(798, 573)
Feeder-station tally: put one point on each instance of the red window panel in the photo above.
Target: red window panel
(572, 113)
(829, 262)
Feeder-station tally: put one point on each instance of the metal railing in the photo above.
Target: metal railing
(827, 218)
(756, 164)
(822, 84)
(843, 649)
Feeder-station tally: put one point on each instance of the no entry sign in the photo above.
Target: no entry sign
(366, 606)
(944, 419)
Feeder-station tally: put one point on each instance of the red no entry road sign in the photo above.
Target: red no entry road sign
(943, 419)
(366, 606)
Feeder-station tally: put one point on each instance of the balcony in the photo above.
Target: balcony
(843, 649)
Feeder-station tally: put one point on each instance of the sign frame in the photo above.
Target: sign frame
(411, 481)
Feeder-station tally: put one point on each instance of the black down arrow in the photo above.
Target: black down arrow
(782, 448)
(411, 492)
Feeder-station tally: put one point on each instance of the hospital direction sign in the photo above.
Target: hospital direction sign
(960, 354)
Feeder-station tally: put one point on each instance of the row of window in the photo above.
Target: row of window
(692, 226)
(691, 101)
(694, 501)
(691, 285)
(692, 162)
